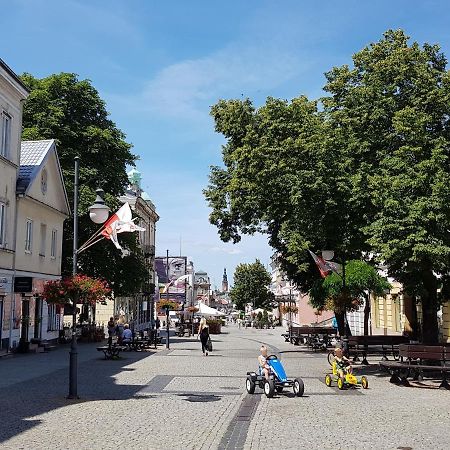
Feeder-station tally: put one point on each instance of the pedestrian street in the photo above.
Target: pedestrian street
(177, 398)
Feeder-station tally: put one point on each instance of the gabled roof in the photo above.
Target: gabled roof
(17, 80)
(33, 155)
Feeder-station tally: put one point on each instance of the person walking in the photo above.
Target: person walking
(111, 330)
(203, 334)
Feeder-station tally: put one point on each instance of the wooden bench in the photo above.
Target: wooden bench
(415, 359)
(384, 344)
(313, 337)
(111, 351)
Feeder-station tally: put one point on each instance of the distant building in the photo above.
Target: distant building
(225, 281)
(286, 293)
(202, 287)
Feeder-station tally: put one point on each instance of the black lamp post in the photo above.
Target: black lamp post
(98, 213)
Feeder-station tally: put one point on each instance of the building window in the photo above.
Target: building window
(5, 134)
(43, 239)
(53, 243)
(2, 224)
(29, 236)
(53, 319)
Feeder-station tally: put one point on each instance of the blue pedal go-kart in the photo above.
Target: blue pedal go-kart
(277, 380)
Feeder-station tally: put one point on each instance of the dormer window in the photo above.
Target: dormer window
(44, 181)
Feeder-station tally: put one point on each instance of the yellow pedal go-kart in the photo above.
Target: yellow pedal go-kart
(349, 380)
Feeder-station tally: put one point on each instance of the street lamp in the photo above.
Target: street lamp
(98, 213)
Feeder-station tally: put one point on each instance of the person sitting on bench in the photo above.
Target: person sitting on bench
(127, 334)
(264, 368)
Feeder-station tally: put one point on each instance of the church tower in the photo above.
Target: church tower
(225, 281)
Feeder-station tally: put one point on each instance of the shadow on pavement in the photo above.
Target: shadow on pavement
(22, 401)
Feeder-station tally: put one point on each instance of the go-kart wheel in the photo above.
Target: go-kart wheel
(328, 380)
(340, 383)
(279, 389)
(269, 388)
(330, 357)
(250, 385)
(299, 387)
(364, 382)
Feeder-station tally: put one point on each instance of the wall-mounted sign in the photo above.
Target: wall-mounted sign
(23, 284)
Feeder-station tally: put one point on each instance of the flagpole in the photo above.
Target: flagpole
(86, 246)
(167, 308)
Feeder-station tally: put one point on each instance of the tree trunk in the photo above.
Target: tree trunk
(366, 314)
(340, 319)
(430, 331)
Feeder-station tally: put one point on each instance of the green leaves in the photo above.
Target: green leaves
(70, 110)
(251, 285)
(366, 174)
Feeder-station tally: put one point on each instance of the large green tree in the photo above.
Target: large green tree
(251, 285)
(389, 114)
(365, 175)
(70, 110)
(283, 176)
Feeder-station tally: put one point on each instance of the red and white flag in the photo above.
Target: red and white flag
(325, 267)
(120, 222)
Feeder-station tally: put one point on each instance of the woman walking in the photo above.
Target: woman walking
(203, 333)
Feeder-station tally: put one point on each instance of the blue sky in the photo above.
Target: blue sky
(160, 65)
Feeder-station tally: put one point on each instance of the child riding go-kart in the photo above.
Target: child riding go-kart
(277, 380)
(342, 373)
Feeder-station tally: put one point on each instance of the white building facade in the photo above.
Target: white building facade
(12, 94)
(42, 207)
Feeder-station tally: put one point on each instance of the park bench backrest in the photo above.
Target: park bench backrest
(418, 351)
(377, 340)
(313, 330)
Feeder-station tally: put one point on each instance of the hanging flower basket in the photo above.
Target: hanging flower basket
(289, 309)
(79, 288)
(192, 309)
(167, 304)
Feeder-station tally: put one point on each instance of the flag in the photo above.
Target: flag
(176, 282)
(120, 222)
(181, 280)
(323, 266)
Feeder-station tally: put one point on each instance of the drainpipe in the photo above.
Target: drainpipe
(13, 295)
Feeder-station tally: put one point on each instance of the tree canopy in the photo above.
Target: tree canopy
(251, 285)
(365, 173)
(70, 110)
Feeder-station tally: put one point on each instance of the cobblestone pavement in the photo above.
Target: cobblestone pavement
(178, 399)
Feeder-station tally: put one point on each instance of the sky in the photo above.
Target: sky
(161, 65)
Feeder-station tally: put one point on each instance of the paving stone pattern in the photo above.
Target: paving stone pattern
(179, 399)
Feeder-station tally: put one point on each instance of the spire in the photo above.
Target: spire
(225, 281)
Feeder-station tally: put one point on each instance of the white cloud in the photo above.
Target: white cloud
(229, 251)
(186, 89)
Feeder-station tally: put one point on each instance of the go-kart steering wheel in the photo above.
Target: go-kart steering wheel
(272, 357)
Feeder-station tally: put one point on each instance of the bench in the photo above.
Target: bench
(384, 344)
(111, 351)
(314, 337)
(415, 359)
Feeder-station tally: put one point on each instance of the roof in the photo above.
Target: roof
(13, 75)
(32, 154)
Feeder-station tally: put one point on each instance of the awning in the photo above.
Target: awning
(207, 311)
